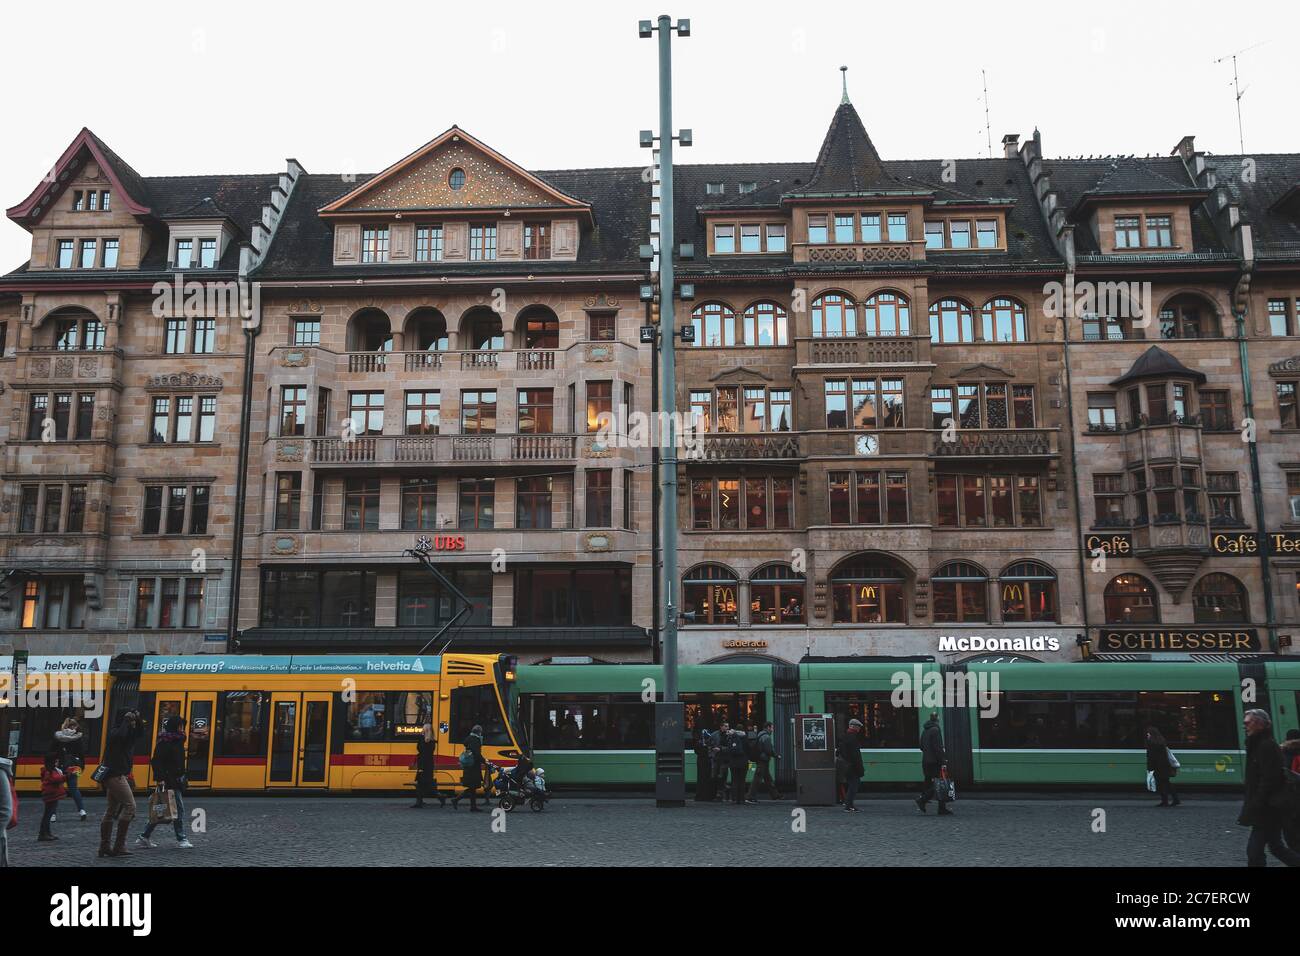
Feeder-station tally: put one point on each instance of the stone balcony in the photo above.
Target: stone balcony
(404, 451)
(891, 350)
(1174, 440)
(80, 368)
(839, 253)
(766, 446)
(523, 360)
(991, 443)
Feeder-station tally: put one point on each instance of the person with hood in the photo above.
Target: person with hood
(1159, 764)
(472, 775)
(737, 764)
(53, 789)
(70, 743)
(703, 768)
(169, 770)
(424, 779)
(850, 752)
(119, 760)
(1261, 809)
(1291, 814)
(933, 761)
(7, 807)
(763, 754)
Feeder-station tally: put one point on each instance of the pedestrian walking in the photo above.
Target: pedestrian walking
(1160, 762)
(737, 765)
(471, 763)
(119, 759)
(703, 767)
(72, 758)
(850, 752)
(717, 752)
(53, 789)
(763, 754)
(1261, 810)
(934, 761)
(8, 807)
(1291, 795)
(425, 784)
(169, 770)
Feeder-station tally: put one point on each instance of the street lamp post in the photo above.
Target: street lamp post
(670, 725)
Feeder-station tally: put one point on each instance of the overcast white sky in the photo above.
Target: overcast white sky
(233, 86)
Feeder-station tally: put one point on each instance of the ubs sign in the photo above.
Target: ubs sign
(1205, 640)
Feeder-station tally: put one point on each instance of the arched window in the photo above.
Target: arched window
(1028, 592)
(709, 595)
(370, 331)
(426, 331)
(952, 320)
(1003, 320)
(1220, 599)
(76, 329)
(886, 313)
(481, 329)
(766, 324)
(1130, 599)
(715, 325)
(539, 328)
(961, 593)
(868, 590)
(776, 595)
(834, 316)
(1188, 317)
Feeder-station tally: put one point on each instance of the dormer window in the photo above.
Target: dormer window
(537, 240)
(207, 253)
(962, 233)
(959, 234)
(986, 233)
(1144, 231)
(428, 243)
(715, 189)
(748, 188)
(1159, 231)
(1128, 232)
(184, 253)
(374, 244)
(751, 238)
(483, 242)
(776, 237)
(724, 239)
(110, 253)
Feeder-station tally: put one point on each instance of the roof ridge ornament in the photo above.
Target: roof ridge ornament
(844, 77)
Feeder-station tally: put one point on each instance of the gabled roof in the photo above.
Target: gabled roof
(128, 185)
(454, 134)
(1156, 362)
(1125, 177)
(205, 208)
(848, 164)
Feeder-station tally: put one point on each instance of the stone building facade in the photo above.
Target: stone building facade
(1011, 405)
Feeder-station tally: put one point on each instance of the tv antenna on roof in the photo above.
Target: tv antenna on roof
(988, 126)
(1237, 90)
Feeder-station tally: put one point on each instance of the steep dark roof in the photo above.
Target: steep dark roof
(1258, 183)
(847, 164)
(1156, 362)
(126, 174)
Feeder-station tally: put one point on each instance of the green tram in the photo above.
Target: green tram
(1071, 724)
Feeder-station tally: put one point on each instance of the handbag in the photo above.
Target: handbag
(100, 773)
(1151, 781)
(162, 805)
(944, 788)
(1173, 762)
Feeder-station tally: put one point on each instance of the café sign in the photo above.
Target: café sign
(1203, 640)
(1250, 544)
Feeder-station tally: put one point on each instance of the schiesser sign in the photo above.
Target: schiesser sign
(1204, 640)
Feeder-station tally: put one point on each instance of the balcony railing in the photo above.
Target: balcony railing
(998, 443)
(863, 350)
(443, 449)
(750, 447)
(521, 360)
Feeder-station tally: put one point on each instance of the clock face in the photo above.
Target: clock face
(868, 444)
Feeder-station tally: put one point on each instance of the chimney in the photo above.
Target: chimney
(1011, 145)
(1186, 148)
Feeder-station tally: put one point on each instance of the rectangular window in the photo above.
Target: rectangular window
(207, 418)
(751, 238)
(600, 498)
(724, 239)
(478, 412)
(959, 234)
(78, 200)
(67, 248)
(601, 326)
(144, 592)
(423, 413)
(1022, 396)
(1293, 494)
(837, 403)
(200, 495)
(476, 505)
(779, 410)
(184, 421)
(323, 424)
(871, 227)
(1028, 501)
(88, 249)
(374, 244)
(867, 497)
(995, 405)
(177, 336)
(288, 500)
(934, 235)
(728, 409)
(1286, 405)
(817, 229)
(158, 427)
(897, 227)
(702, 411)
(38, 409)
(207, 253)
(482, 243)
(536, 411)
(152, 510)
(419, 504)
(53, 509)
(600, 402)
(76, 522)
(986, 233)
(844, 227)
(1108, 499)
(428, 243)
(629, 513)
(361, 504)
(1216, 414)
(192, 615)
(110, 252)
(946, 508)
(1224, 497)
(941, 407)
(537, 240)
(184, 253)
(366, 409)
(92, 199)
(177, 496)
(896, 504)
(533, 498)
(701, 504)
(306, 331)
(85, 416)
(169, 603)
(972, 501)
(1159, 231)
(104, 200)
(1127, 232)
(776, 237)
(28, 509)
(205, 336)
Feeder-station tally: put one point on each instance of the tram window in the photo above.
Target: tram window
(478, 705)
(39, 724)
(709, 711)
(368, 716)
(884, 725)
(589, 722)
(241, 724)
(1117, 720)
(414, 709)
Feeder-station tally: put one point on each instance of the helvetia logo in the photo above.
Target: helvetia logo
(76, 909)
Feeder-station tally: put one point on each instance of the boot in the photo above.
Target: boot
(105, 834)
(119, 844)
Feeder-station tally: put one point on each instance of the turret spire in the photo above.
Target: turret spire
(844, 76)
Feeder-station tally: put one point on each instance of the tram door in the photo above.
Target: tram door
(197, 712)
(300, 740)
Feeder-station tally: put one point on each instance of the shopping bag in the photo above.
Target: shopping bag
(945, 790)
(162, 805)
(1151, 780)
(1173, 761)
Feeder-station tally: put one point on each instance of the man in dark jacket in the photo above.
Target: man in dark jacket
(763, 754)
(119, 759)
(168, 764)
(850, 752)
(737, 764)
(1262, 808)
(933, 760)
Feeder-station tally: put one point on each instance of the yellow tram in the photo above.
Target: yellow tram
(300, 722)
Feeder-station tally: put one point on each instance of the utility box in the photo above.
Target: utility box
(814, 759)
(670, 754)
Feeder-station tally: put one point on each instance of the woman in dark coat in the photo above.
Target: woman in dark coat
(424, 779)
(1158, 763)
(472, 777)
(169, 765)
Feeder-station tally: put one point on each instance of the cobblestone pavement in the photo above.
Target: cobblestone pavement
(997, 830)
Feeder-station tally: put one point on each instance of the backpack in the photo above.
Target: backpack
(751, 748)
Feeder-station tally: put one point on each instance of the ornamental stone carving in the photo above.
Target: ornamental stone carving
(183, 380)
(1286, 366)
(40, 368)
(88, 367)
(601, 301)
(295, 359)
(599, 353)
(304, 306)
(599, 541)
(284, 545)
(290, 451)
(63, 368)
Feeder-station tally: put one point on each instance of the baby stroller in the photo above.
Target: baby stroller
(518, 785)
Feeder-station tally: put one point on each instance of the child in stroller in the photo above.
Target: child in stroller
(522, 783)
